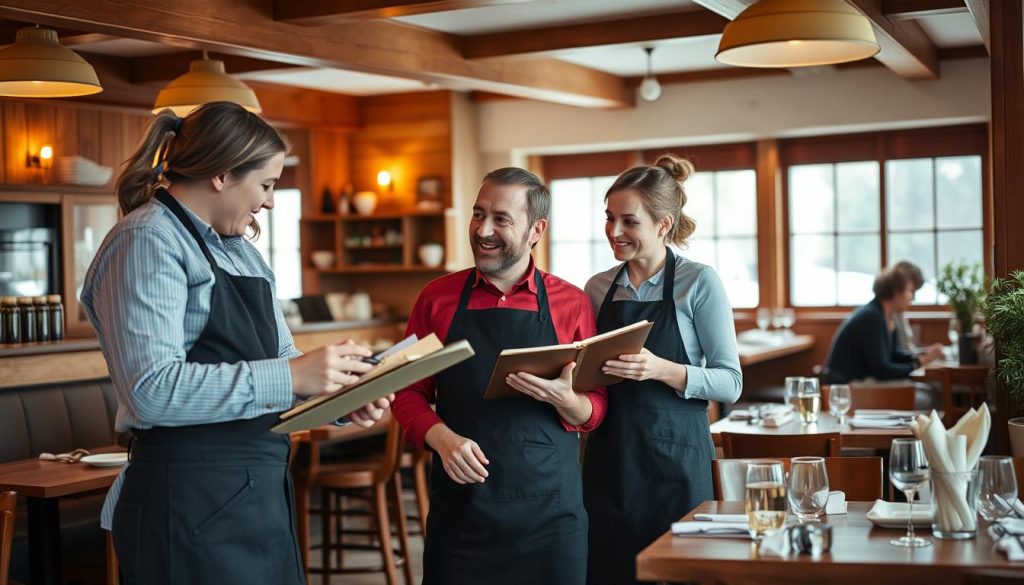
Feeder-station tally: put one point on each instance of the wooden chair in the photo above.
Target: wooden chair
(8, 502)
(416, 460)
(963, 388)
(356, 478)
(860, 478)
(748, 446)
(883, 396)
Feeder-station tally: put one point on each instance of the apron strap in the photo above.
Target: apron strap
(171, 203)
(668, 280)
(543, 312)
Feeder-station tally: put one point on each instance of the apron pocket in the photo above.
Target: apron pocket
(670, 459)
(240, 495)
(127, 525)
(517, 470)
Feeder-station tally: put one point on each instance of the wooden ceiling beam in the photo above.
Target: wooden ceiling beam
(906, 48)
(380, 47)
(980, 10)
(914, 9)
(693, 23)
(163, 68)
(324, 12)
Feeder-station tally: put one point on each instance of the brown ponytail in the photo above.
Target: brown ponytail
(661, 193)
(137, 182)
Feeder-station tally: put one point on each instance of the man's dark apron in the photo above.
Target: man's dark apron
(525, 525)
(649, 463)
(212, 504)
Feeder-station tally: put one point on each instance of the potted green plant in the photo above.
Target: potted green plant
(963, 285)
(1004, 320)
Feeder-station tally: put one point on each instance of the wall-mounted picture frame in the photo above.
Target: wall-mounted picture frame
(429, 192)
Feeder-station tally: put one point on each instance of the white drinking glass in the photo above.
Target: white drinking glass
(839, 401)
(766, 503)
(908, 471)
(997, 490)
(764, 318)
(792, 387)
(808, 487)
(808, 400)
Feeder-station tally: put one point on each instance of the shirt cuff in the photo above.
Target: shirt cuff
(591, 423)
(271, 385)
(416, 431)
(694, 384)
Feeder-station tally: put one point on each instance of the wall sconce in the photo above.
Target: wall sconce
(42, 159)
(384, 181)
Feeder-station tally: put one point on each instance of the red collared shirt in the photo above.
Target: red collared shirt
(571, 314)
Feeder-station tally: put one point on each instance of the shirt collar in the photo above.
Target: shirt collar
(654, 280)
(204, 228)
(527, 280)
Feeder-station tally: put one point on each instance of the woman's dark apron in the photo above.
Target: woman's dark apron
(525, 525)
(649, 463)
(212, 504)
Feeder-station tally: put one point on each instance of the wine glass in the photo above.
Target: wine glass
(764, 318)
(808, 400)
(777, 318)
(808, 487)
(953, 333)
(908, 471)
(793, 389)
(766, 503)
(839, 400)
(787, 318)
(997, 489)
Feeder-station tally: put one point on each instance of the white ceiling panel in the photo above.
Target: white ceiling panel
(951, 30)
(128, 48)
(688, 54)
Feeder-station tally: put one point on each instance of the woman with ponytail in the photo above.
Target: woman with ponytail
(201, 359)
(649, 463)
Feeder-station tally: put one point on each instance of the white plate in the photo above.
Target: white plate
(106, 459)
(894, 514)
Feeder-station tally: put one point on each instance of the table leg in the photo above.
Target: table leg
(44, 541)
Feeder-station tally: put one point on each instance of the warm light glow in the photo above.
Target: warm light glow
(46, 153)
(37, 66)
(206, 81)
(384, 179)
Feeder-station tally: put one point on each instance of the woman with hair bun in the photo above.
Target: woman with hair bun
(649, 463)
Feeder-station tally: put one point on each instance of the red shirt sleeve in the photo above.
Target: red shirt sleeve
(585, 325)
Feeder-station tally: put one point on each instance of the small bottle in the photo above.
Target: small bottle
(56, 317)
(345, 200)
(28, 319)
(327, 202)
(10, 320)
(42, 318)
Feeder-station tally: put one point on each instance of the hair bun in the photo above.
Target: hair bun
(679, 168)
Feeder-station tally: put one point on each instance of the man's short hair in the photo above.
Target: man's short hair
(890, 282)
(538, 198)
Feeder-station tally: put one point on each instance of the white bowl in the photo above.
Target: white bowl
(322, 259)
(365, 202)
(431, 254)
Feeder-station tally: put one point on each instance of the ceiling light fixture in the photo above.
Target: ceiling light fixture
(37, 66)
(206, 81)
(650, 89)
(797, 33)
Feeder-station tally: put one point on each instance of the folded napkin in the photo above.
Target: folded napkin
(777, 420)
(1009, 536)
(878, 423)
(733, 518)
(882, 413)
(72, 457)
(836, 503)
(699, 528)
(755, 411)
(1018, 506)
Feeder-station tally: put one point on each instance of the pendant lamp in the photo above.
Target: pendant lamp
(36, 66)
(650, 89)
(797, 33)
(206, 81)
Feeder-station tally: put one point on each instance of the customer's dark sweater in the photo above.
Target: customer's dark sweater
(865, 348)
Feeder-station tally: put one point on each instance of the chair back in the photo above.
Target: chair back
(859, 478)
(392, 452)
(8, 501)
(963, 388)
(882, 396)
(745, 445)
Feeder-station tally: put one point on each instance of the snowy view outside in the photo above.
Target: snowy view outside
(279, 241)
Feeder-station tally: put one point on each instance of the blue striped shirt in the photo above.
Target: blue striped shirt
(148, 295)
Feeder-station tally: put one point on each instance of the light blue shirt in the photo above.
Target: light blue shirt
(148, 295)
(705, 324)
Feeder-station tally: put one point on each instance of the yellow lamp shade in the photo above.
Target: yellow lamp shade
(206, 81)
(36, 66)
(797, 33)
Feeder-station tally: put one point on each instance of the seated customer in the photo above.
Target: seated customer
(864, 347)
(901, 321)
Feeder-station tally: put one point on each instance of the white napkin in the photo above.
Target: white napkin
(777, 419)
(763, 410)
(1019, 507)
(734, 518)
(882, 413)
(1010, 544)
(836, 503)
(861, 422)
(774, 545)
(713, 528)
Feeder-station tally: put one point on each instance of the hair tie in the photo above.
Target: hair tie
(159, 169)
(177, 124)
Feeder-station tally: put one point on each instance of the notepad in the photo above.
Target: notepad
(589, 354)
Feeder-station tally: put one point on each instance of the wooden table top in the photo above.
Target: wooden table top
(860, 552)
(52, 479)
(756, 353)
(933, 371)
(827, 423)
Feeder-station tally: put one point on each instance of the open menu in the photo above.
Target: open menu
(589, 354)
(396, 370)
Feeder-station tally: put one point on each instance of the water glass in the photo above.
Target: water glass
(839, 401)
(955, 504)
(764, 318)
(908, 471)
(997, 487)
(766, 504)
(808, 487)
(793, 389)
(808, 400)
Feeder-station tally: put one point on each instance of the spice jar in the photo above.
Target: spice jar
(10, 320)
(28, 319)
(56, 317)
(42, 318)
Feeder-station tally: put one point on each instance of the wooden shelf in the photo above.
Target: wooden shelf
(380, 268)
(391, 214)
(374, 247)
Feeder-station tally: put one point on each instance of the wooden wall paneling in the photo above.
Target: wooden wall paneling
(596, 164)
(329, 155)
(15, 136)
(712, 157)
(771, 234)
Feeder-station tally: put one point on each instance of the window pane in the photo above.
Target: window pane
(262, 243)
(858, 261)
(965, 246)
(598, 187)
(736, 203)
(958, 191)
(702, 250)
(737, 267)
(571, 261)
(908, 193)
(287, 211)
(812, 270)
(601, 257)
(857, 205)
(811, 199)
(288, 273)
(571, 211)
(918, 248)
(700, 203)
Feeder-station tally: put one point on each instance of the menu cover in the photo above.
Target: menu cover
(589, 354)
(420, 360)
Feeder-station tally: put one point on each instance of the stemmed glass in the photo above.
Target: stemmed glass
(808, 487)
(908, 471)
(953, 333)
(808, 400)
(793, 389)
(786, 319)
(839, 400)
(764, 318)
(766, 504)
(997, 489)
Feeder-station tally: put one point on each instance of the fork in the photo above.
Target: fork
(1007, 506)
